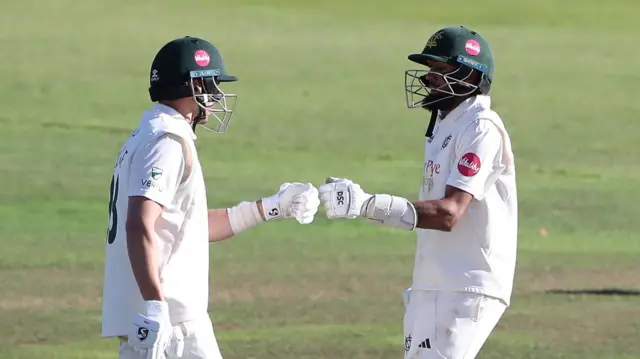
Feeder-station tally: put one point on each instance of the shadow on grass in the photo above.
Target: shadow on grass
(602, 291)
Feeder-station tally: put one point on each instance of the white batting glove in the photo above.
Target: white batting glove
(342, 198)
(294, 200)
(152, 334)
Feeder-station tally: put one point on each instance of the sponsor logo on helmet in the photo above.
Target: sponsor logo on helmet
(472, 47)
(205, 73)
(202, 58)
(472, 63)
(469, 164)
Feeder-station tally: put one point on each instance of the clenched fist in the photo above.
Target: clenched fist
(342, 198)
(294, 200)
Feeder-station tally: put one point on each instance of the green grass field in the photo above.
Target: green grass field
(321, 93)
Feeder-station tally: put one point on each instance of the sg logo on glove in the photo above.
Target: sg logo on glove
(143, 333)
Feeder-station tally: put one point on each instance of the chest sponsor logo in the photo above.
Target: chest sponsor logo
(430, 169)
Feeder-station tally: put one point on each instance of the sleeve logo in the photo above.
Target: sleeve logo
(469, 164)
(156, 172)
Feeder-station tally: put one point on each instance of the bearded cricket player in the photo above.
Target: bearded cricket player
(156, 280)
(466, 218)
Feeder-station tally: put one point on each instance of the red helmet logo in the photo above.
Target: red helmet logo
(202, 58)
(472, 47)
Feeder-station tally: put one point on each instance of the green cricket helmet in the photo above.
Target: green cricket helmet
(457, 46)
(193, 67)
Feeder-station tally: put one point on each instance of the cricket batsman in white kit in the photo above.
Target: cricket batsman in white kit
(156, 280)
(466, 218)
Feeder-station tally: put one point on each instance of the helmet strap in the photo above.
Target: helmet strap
(202, 114)
(485, 84)
(432, 123)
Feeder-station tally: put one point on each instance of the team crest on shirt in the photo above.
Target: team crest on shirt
(156, 172)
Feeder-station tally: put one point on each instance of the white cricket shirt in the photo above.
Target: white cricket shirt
(159, 161)
(471, 150)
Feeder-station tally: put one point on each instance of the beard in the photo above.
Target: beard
(438, 101)
(442, 101)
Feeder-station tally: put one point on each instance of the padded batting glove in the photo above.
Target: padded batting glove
(152, 334)
(342, 198)
(294, 200)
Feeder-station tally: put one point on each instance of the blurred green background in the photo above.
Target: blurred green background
(321, 93)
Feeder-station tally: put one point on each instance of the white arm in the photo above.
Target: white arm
(219, 225)
(294, 200)
(226, 222)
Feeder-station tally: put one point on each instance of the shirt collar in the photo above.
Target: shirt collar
(171, 112)
(472, 104)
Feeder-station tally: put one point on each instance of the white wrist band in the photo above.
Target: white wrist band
(271, 207)
(243, 216)
(156, 308)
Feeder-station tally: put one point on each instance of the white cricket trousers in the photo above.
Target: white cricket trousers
(199, 341)
(448, 325)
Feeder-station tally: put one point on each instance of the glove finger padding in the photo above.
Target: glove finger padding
(305, 207)
(305, 219)
(300, 210)
(175, 348)
(284, 186)
(155, 353)
(305, 204)
(337, 180)
(325, 190)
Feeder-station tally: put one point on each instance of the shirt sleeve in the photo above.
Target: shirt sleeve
(477, 163)
(157, 169)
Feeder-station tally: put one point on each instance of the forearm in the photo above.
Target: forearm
(226, 222)
(219, 225)
(345, 199)
(398, 212)
(142, 256)
(436, 214)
